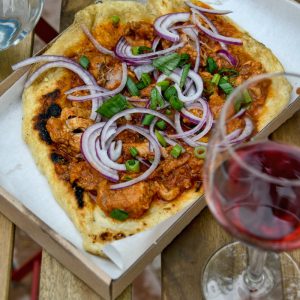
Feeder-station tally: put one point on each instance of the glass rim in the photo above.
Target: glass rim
(221, 127)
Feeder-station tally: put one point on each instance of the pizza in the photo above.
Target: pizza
(118, 111)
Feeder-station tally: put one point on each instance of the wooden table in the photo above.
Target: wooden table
(182, 261)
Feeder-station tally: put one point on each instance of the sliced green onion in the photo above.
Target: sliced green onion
(155, 99)
(133, 151)
(132, 166)
(200, 152)
(140, 50)
(170, 91)
(132, 88)
(176, 103)
(245, 100)
(115, 20)
(161, 124)
(168, 112)
(161, 138)
(167, 63)
(163, 84)
(127, 178)
(184, 75)
(148, 120)
(113, 106)
(146, 79)
(84, 61)
(140, 85)
(215, 80)
(229, 72)
(184, 59)
(119, 214)
(211, 65)
(225, 86)
(176, 151)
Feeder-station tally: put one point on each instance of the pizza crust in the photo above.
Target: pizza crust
(90, 220)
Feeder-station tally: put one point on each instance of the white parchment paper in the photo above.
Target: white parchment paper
(276, 23)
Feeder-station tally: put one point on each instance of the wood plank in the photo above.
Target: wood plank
(69, 9)
(58, 283)
(15, 54)
(184, 259)
(7, 230)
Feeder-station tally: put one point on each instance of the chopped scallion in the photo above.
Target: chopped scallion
(167, 63)
(163, 84)
(200, 152)
(148, 120)
(170, 91)
(84, 61)
(161, 124)
(184, 59)
(184, 75)
(132, 166)
(133, 151)
(132, 88)
(244, 100)
(161, 138)
(113, 106)
(176, 151)
(146, 79)
(115, 20)
(225, 86)
(176, 103)
(211, 65)
(119, 214)
(215, 80)
(155, 99)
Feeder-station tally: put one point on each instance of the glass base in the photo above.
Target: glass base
(224, 276)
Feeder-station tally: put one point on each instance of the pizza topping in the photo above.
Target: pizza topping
(206, 10)
(115, 20)
(200, 152)
(113, 106)
(156, 149)
(96, 44)
(119, 214)
(132, 166)
(162, 25)
(84, 61)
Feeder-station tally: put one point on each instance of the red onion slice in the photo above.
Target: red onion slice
(213, 35)
(155, 43)
(107, 93)
(206, 10)
(127, 112)
(124, 51)
(196, 79)
(97, 45)
(60, 61)
(37, 59)
(249, 127)
(138, 71)
(154, 164)
(203, 120)
(205, 131)
(228, 56)
(179, 129)
(115, 150)
(162, 25)
(88, 149)
(86, 88)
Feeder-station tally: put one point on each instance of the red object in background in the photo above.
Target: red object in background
(45, 31)
(32, 265)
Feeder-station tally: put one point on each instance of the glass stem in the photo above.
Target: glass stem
(254, 276)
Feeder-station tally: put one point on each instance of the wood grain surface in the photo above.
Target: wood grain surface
(7, 230)
(15, 54)
(59, 283)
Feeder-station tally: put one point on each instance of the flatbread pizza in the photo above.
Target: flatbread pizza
(118, 112)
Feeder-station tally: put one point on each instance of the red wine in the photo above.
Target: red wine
(255, 209)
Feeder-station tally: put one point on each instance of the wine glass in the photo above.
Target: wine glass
(253, 190)
(17, 19)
